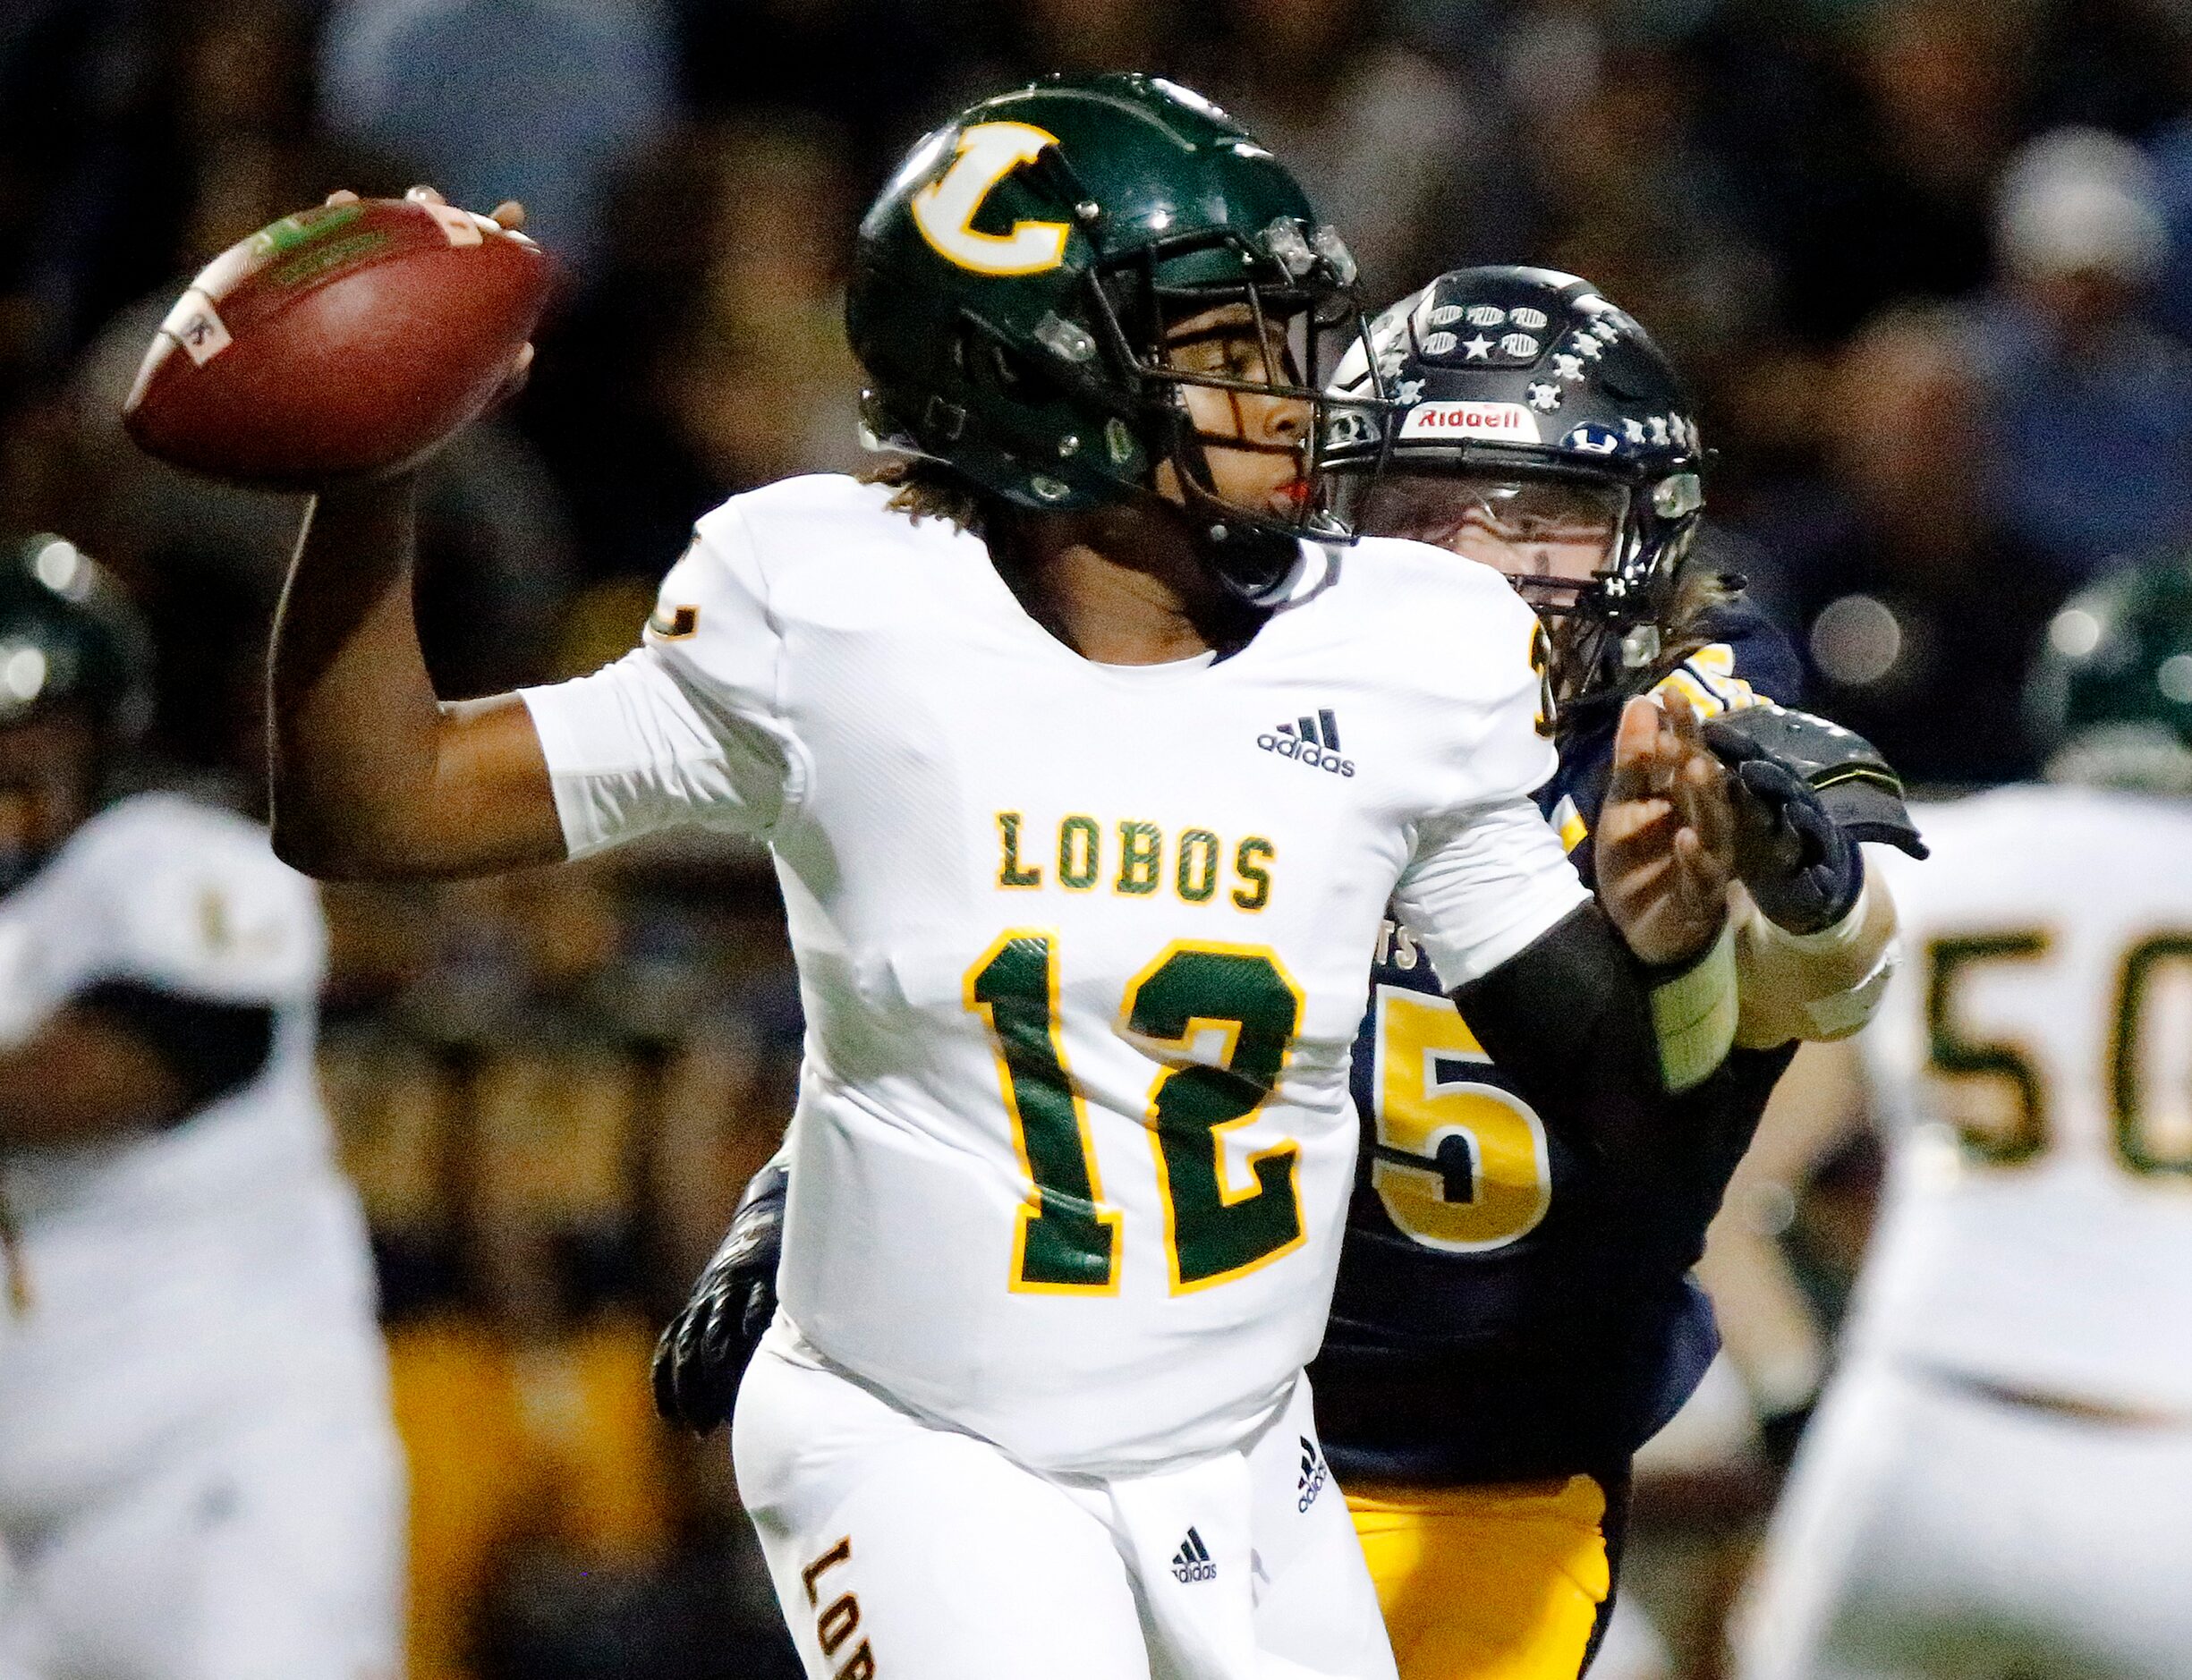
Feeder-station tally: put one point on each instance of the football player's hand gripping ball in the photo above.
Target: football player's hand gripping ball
(704, 1351)
(342, 345)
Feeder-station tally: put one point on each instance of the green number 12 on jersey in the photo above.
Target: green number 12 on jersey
(1066, 1241)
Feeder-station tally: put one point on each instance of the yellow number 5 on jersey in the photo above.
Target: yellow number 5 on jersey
(945, 209)
(1461, 1165)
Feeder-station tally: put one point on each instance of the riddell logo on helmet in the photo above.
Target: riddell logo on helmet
(1509, 420)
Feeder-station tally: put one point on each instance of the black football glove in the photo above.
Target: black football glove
(703, 1353)
(1807, 792)
(1804, 872)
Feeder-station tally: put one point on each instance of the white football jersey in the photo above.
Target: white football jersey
(1082, 947)
(2033, 1063)
(169, 1272)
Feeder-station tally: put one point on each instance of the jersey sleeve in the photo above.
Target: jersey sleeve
(687, 727)
(186, 902)
(1484, 884)
(1486, 874)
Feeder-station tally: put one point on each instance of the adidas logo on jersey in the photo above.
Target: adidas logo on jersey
(1193, 1561)
(1313, 1474)
(1310, 740)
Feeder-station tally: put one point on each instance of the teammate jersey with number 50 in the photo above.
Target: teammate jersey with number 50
(1081, 956)
(2034, 1064)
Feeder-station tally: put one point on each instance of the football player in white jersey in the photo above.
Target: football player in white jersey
(1088, 774)
(1998, 1482)
(198, 1477)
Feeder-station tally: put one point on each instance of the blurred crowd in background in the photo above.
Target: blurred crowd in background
(1928, 264)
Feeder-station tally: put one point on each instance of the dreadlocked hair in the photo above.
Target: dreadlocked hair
(929, 489)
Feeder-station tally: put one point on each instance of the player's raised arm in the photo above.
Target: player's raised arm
(1815, 935)
(1629, 1001)
(332, 353)
(372, 775)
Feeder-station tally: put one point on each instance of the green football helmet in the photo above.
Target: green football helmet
(1014, 282)
(2112, 697)
(70, 637)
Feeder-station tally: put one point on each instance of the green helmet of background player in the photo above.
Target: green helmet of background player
(70, 638)
(2112, 697)
(1014, 281)
(74, 689)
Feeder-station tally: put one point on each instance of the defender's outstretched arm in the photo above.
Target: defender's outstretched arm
(1609, 1017)
(1573, 1020)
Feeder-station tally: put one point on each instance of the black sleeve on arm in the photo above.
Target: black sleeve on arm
(212, 1048)
(1568, 1018)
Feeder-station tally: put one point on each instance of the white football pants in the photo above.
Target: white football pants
(272, 1551)
(903, 1549)
(1932, 1533)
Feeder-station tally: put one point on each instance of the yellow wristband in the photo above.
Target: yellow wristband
(1695, 1015)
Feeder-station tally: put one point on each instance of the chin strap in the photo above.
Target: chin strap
(1257, 567)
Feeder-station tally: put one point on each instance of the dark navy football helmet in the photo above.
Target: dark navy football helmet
(1550, 401)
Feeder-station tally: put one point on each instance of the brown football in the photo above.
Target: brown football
(341, 343)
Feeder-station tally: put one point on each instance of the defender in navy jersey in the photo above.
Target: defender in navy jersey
(1515, 1315)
